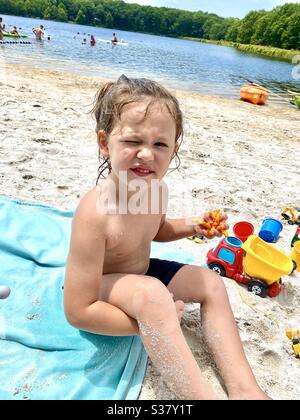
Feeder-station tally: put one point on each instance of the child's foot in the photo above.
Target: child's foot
(251, 394)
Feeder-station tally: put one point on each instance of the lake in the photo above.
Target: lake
(187, 65)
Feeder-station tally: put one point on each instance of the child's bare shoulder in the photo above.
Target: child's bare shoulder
(88, 212)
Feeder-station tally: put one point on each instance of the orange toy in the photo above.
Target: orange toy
(216, 217)
(257, 95)
(293, 334)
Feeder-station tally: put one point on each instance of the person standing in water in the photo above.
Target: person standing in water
(92, 41)
(1, 29)
(115, 38)
(39, 32)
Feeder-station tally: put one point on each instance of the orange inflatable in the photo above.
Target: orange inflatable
(257, 95)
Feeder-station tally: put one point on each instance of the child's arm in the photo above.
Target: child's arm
(174, 229)
(83, 308)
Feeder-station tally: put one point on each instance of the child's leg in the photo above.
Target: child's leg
(148, 301)
(195, 284)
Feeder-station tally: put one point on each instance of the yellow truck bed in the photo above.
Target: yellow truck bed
(264, 261)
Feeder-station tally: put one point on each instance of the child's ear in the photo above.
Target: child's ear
(102, 140)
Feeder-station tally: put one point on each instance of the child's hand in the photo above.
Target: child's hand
(212, 224)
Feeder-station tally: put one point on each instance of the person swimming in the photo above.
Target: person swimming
(92, 41)
(115, 38)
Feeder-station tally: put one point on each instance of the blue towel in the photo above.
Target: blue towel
(41, 355)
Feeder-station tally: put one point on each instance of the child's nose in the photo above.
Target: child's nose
(145, 154)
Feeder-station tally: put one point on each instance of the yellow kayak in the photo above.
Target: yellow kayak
(15, 36)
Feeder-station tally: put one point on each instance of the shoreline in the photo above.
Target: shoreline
(235, 156)
(228, 91)
(275, 53)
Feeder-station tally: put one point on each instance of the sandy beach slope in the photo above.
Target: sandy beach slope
(235, 156)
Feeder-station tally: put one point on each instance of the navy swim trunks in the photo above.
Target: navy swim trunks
(163, 270)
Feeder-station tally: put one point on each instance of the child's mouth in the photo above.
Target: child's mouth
(142, 171)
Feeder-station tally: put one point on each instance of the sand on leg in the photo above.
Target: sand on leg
(148, 301)
(200, 285)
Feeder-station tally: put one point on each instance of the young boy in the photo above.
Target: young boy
(112, 287)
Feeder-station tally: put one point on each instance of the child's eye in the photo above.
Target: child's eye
(130, 141)
(161, 144)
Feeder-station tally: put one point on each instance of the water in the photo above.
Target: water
(193, 66)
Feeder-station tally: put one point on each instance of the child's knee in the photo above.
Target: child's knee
(152, 296)
(214, 286)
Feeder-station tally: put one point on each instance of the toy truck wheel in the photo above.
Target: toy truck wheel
(275, 289)
(294, 266)
(258, 287)
(218, 268)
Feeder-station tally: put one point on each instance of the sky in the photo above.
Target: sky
(225, 8)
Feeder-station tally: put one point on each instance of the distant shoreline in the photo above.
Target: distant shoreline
(271, 52)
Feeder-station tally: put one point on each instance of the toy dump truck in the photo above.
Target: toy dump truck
(255, 263)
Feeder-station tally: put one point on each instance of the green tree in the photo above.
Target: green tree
(87, 8)
(290, 38)
(99, 15)
(18, 7)
(109, 20)
(81, 18)
(246, 29)
(260, 26)
(197, 25)
(62, 13)
(32, 8)
(278, 27)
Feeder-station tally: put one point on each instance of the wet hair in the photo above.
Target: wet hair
(113, 96)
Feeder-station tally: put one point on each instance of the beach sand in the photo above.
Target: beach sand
(235, 156)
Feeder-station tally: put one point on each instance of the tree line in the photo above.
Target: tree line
(278, 27)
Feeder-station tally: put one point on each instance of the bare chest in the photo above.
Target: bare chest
(131, 234)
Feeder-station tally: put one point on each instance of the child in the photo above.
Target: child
(14, 31)
(112, 287)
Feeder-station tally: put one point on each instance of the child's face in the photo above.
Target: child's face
(141, 146)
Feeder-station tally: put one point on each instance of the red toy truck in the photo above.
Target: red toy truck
(261, 267)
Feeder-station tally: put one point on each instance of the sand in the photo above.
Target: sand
(235, 156)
